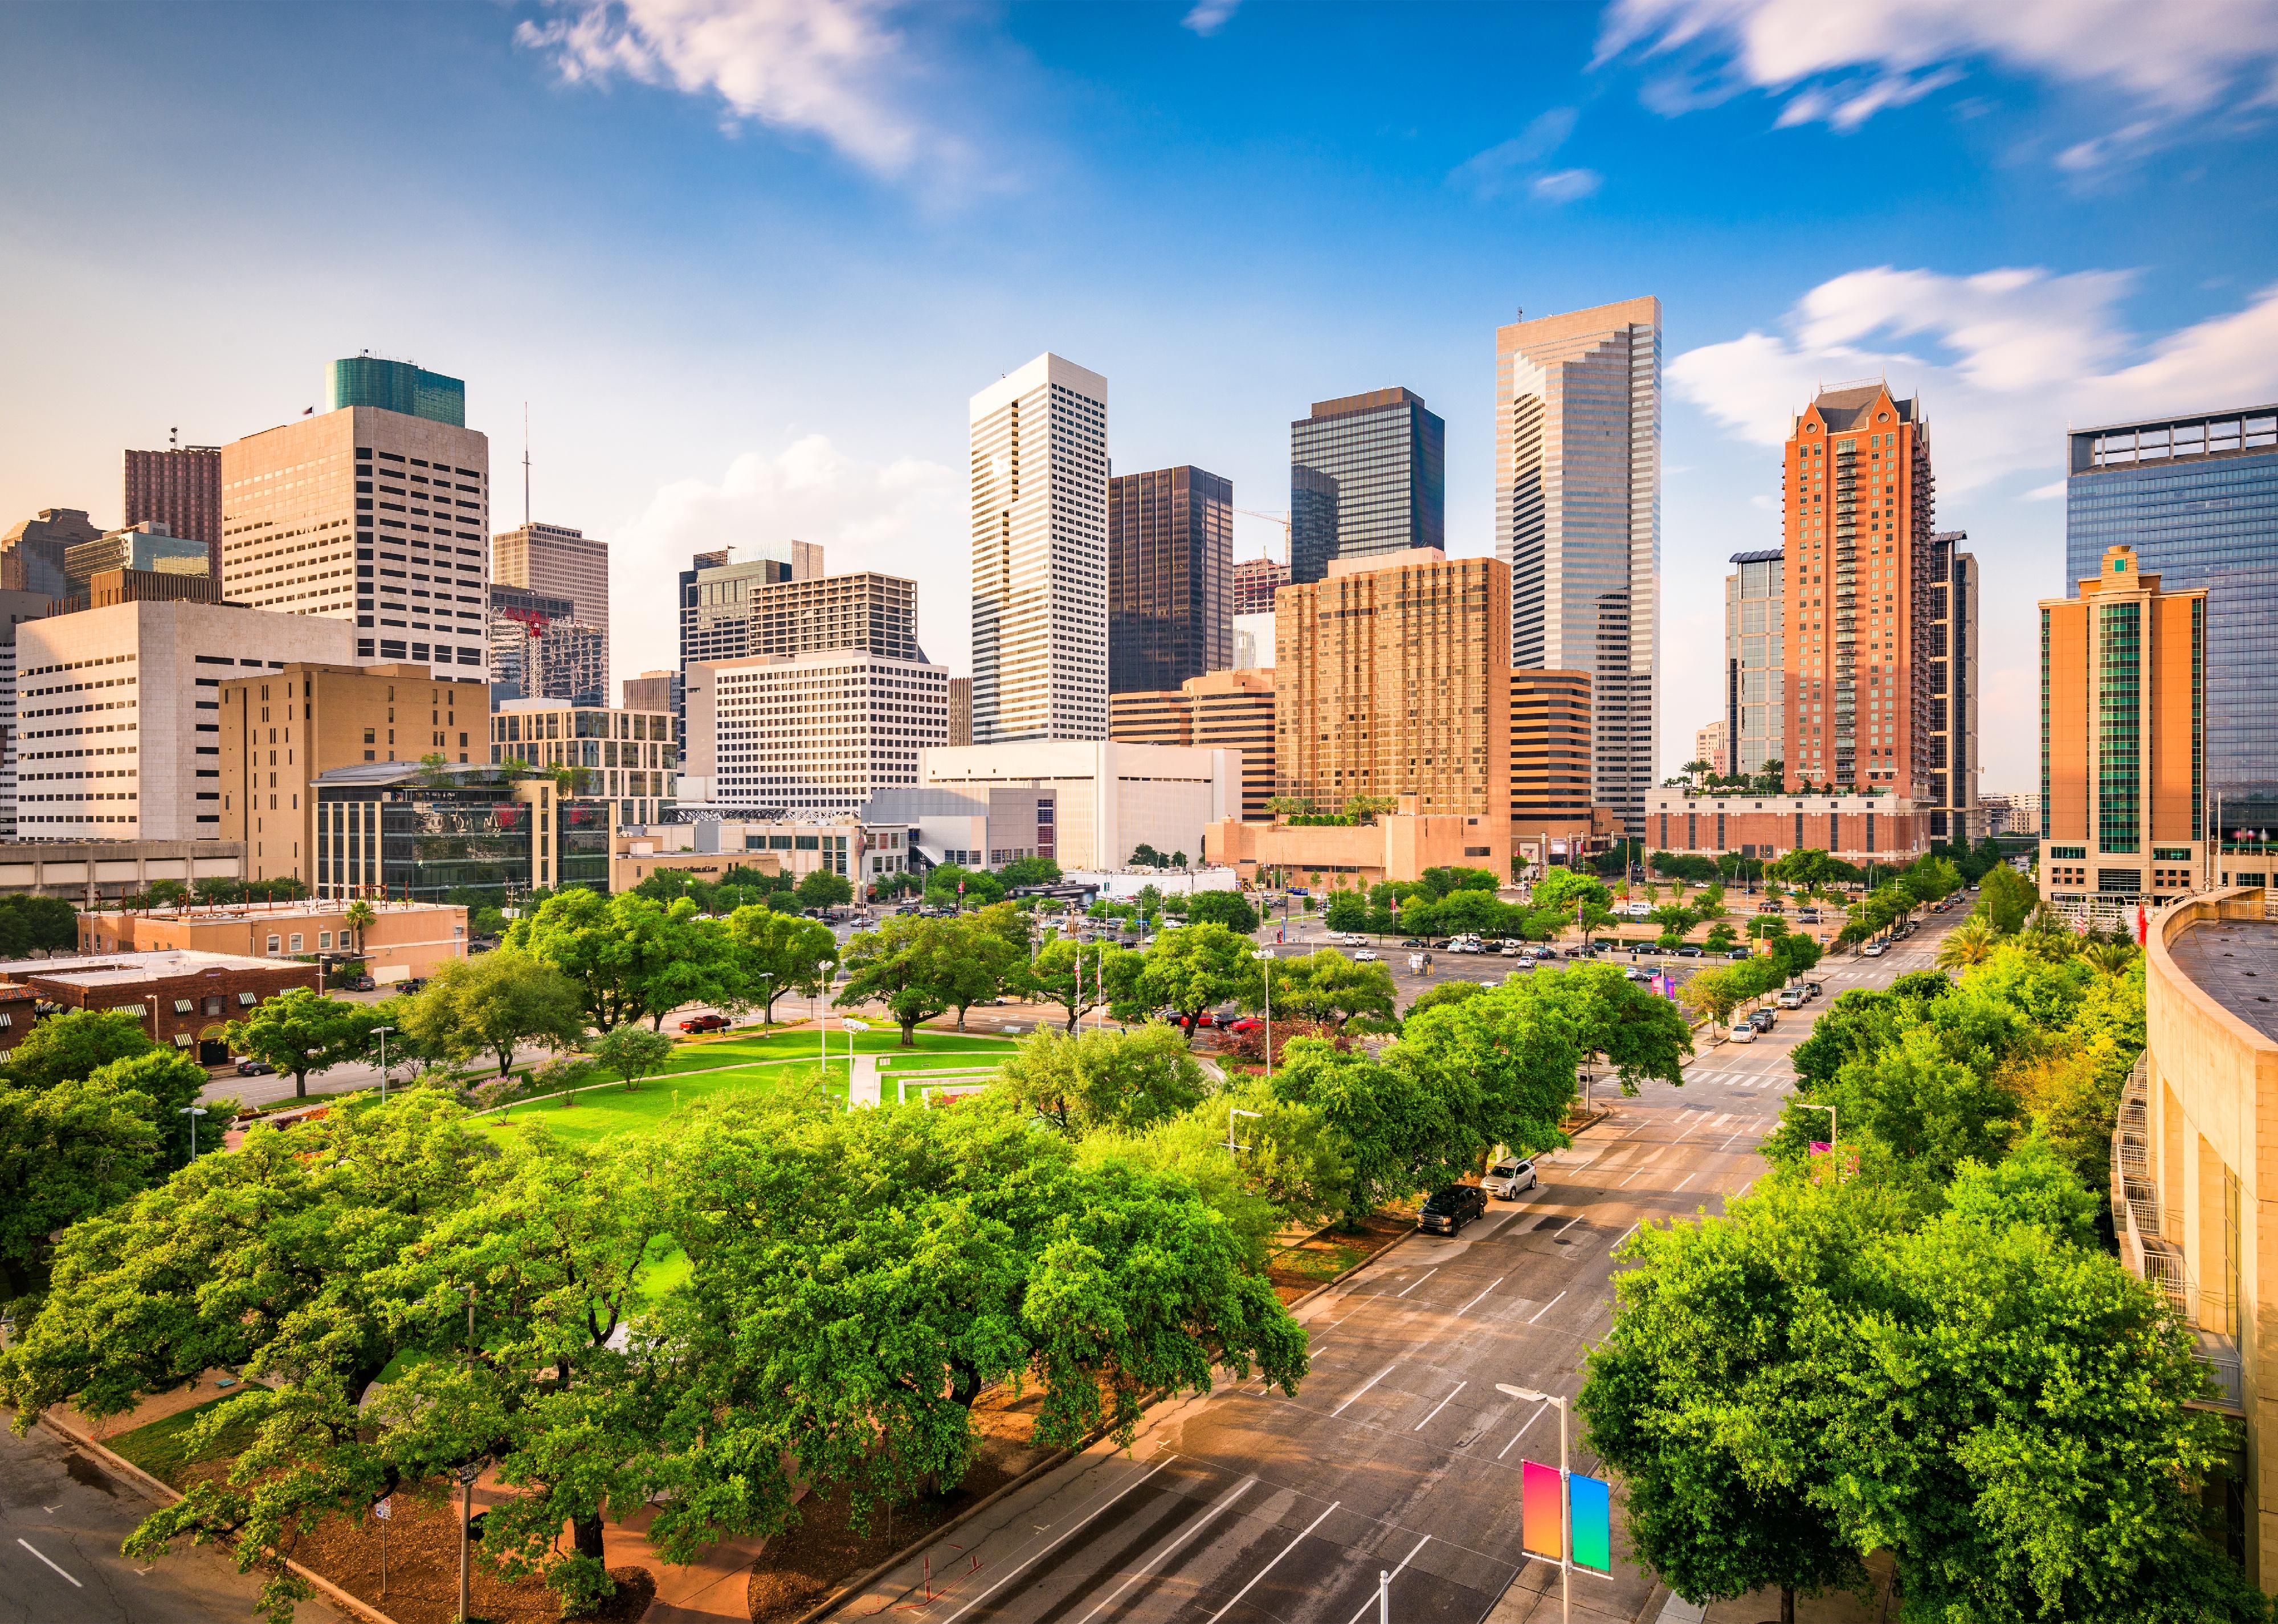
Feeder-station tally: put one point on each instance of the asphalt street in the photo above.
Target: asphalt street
(61, 1517)
(1397, 1456)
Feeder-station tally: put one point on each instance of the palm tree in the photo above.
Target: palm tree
(360, 918)
(2111, 958)
(1971, 943)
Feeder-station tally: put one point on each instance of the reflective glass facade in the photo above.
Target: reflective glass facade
(1170, 578)
(1367, 474)
(2197, 498)
(397, 386)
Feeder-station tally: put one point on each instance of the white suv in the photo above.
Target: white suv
(1507, 1179)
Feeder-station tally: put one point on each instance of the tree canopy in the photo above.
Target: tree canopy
(494, 1004)
(300, 1033)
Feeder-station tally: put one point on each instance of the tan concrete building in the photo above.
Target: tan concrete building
(378, 520)
(1397, 846)
(282, 729)
(1392, 679)
(2124, 742)
(2195, 1174)
(813, 734)
(559, 562)
(1857, 828)
(403, 938)
(119, 713)
(623, 756)
(1225, 710)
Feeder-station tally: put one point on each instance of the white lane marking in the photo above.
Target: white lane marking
(1010, 1574)
(1721, 1121)
(1521, 1433)
(1474, 1303)
(1436, 1408)
(1548, 1307)
(1687, 1179)
(1190, 1530)
(1418, 1281)
(43, 1557)
(1632, 1230)
(1364, 1386)
(1275, 1562)
(1389, 1578)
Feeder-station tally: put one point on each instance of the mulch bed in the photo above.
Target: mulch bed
(800, 1567)
(1322, 1256)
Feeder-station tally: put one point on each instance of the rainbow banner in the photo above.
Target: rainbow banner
(1594, 1523)
(1540, 1532)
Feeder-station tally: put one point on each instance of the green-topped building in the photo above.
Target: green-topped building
(398, 386)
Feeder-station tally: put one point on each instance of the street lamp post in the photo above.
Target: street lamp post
(1261, 953)
(850, 1027)
(194, 1112)
(381, 1034)
(1565, 1498)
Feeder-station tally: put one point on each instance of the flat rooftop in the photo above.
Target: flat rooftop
(2235, 962)
(101, 969)
(253, 913)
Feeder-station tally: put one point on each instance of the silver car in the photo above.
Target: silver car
(1507, 1179)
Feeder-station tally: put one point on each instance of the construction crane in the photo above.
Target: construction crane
(1281, 519)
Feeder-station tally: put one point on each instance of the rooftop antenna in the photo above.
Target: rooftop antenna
(172, 436)
(525, 464)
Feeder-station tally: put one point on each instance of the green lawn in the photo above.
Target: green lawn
(163, 1448)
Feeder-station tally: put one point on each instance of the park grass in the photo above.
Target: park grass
(709, 1051)
(162, 1449)
(600, 1114)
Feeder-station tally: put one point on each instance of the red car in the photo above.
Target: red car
(1248, 1024)
(705, 1023)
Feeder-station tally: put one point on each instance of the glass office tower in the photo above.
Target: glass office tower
(2196, 498)
(397, 386)
(1170, 578)
(1368, 473)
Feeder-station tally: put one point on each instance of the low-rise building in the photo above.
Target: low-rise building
(1109, 798)
(420, 834)
(1395, 846)
(1225, 710)
(634, 857)
(982, 828)
(810, 734)
(1856, 829)
(852, 848)
(89, 871)
(402, 940)
(2195, 1172)
(183, 998)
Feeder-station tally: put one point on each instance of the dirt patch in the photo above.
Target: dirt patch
(800, 1567)
(1320, 1257)
(423, 1568)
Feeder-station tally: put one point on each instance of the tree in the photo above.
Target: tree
(494, 1004)
(360, 918)
(991, 958)
(28, 923)
(2005, 899)
(768, 954)
(631, 1052)
(1145, 856)
(1197, 968)
(1394, 1130)
(1030, 871)
(1970, 943)
(1348, 913)
(76, 1044)
(302, 1033)
(823, 889)
(1446, 992)
(1124, 1081)
(1225, 907)
(1328, 986)
(67, 1151)
(1714, 992)
(631, 957)
(949, 885)
(1569, 889)
(1077, 976)
(1591, 917)
(171, 1081)
(909, 964)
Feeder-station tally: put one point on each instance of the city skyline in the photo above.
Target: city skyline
(1643, 156)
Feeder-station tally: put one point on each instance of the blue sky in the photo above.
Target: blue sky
(746, 262)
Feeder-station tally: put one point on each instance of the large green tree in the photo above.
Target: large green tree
(1128, 1081)
(76, 1044)
(1079, 977)
(67, 1152)
(910, 964)
(1225, 907)
(2006, 899)
(1197, 968)
(631, 957)
(302, 1033)
(768, 954)
(495, 1004)
(27, 923)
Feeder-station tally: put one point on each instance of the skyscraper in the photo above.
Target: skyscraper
(1755, 606)
(1578, 518)
(1861, 568)
(366, 514)
(146, 545)
(2124, 714)
(179, 489)
(561, 563)
(1949, 604)
(32, 552)
(1039, 579)
(1368, 474)
(1170, 578)
(2197, 498)
(397, 386)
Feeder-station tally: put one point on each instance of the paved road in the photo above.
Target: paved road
(61, 1517)
(1397, 1455)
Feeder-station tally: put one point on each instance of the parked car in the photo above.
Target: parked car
(1510, 950)
(1689, 950)
(1875, 950)
(705, 1023)
(361, 983)
(1763, 1020)
(255, 1068)
(1767, 908)
(1743, 952)
(1809, 915)
(413, 984)
(1365, 955)
(1792, 997)
(1813, 989)
(1506, 1180)
(1248, 1024)
(1545, 952)
(1411, 941)
(1638, 972)
(1741, 1032)
(1448, 1210)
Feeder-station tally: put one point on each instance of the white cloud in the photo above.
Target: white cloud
(1843, 64)
(1567, 185)
(1209, 16)
(2008, 357)
(1514, 167)
(840, 69)
(904, 518)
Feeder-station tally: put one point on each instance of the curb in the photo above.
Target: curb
(167, 1495)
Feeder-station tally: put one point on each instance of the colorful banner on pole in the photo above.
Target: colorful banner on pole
(1594, 1523)
(1538, 1530)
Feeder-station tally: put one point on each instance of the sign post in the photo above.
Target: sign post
(383, 1512)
